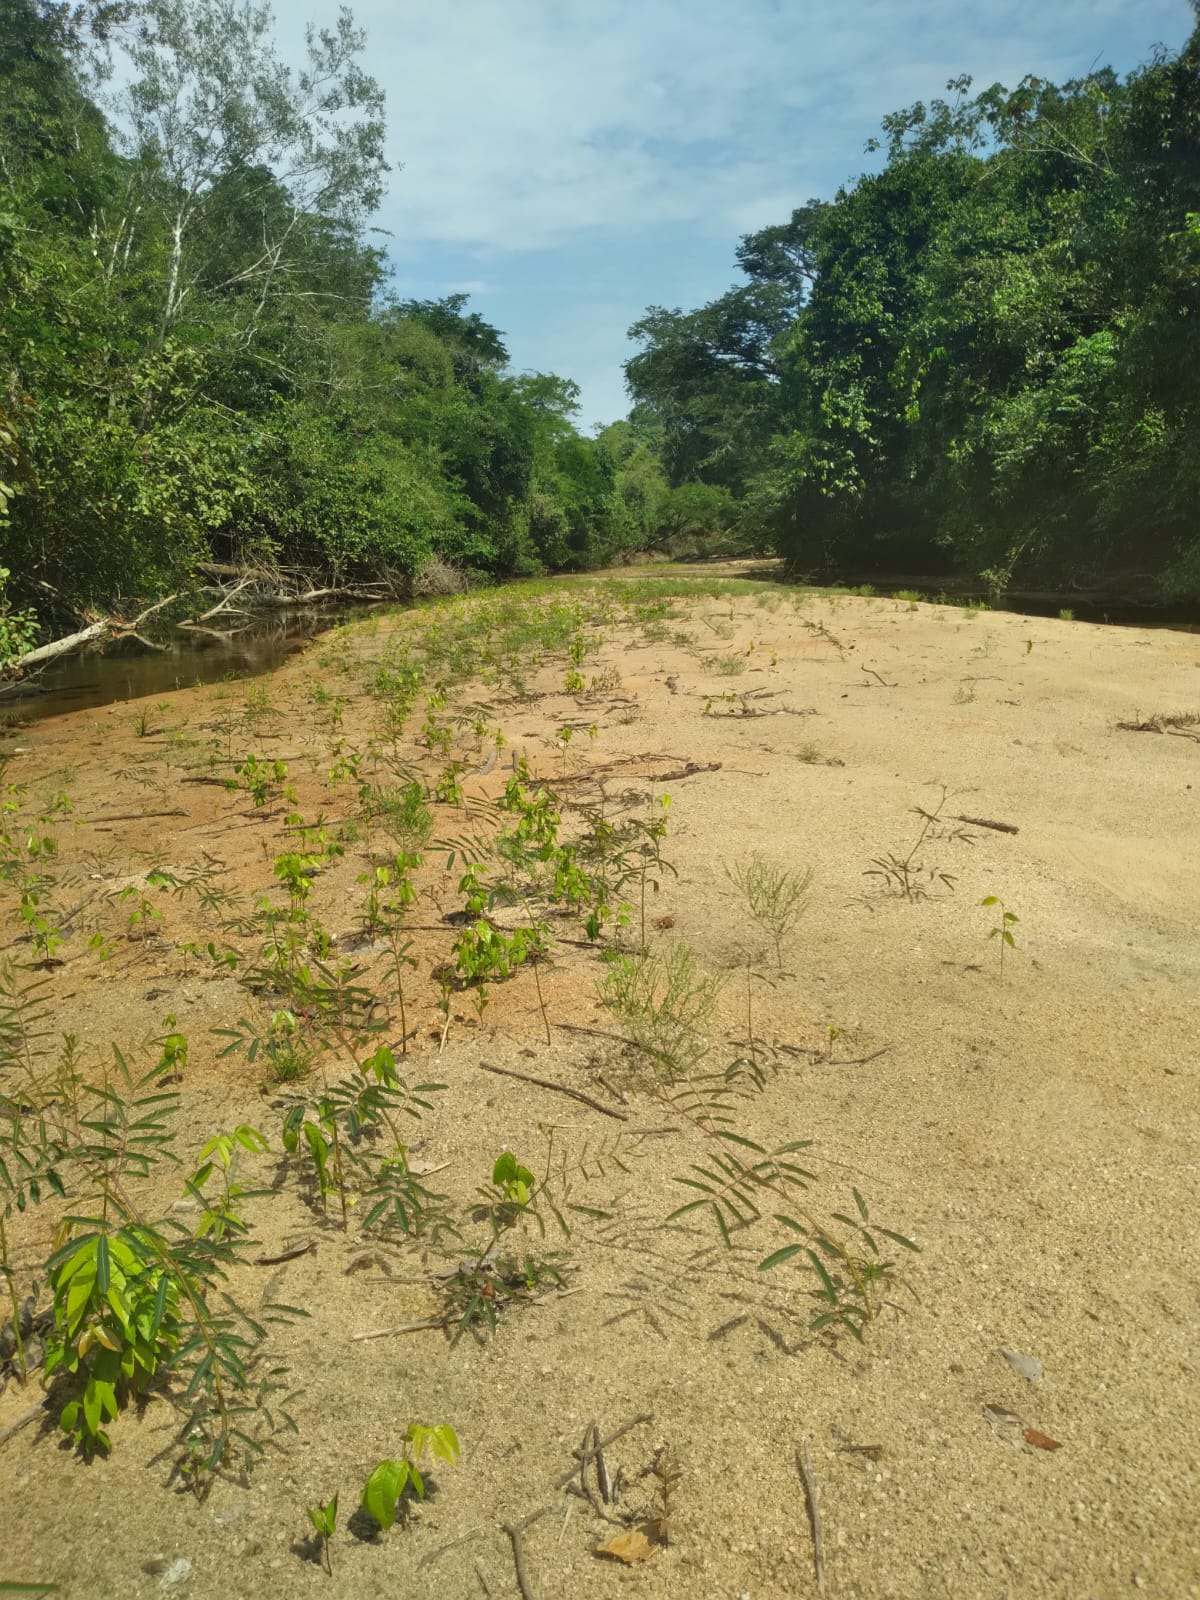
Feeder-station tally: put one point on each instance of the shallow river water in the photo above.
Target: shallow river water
(185, 658)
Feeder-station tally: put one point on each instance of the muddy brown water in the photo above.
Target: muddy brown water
(183, 659)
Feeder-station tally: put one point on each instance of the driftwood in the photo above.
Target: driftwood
(222, 605)
(264, 589)
(812, 1495)
(105, 628)
(280, 588)
(221, 635)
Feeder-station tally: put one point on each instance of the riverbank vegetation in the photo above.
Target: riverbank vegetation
(201, 359)
(976, 361)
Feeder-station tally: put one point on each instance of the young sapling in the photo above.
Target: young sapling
(383, 1494)
(776, 897)
(1003, 929)
(324, 1521)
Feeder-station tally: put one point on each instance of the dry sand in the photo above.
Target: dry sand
(1036, 1133)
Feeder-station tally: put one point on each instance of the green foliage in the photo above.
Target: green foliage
(332, 1131)
(741, 1184)
(912, 875)
(1003, 929)
(324, 1521)
(977, 359)
(385, 1491)
(17, 628)
(776, 897)
(401, 811)
(264, 780)
(138, 1301)
(664, 1004)
(485, 953)
(200, 359)
(116, 1320)
(481, 1286)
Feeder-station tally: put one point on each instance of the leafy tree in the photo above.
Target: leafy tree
(198, 359)
(245, 156)
(978, 359)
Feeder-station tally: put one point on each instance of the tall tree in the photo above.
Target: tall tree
(989, 353)
(244, 157)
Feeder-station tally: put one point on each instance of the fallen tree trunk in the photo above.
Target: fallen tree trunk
(309, 597)
(260, 588)
(105, 628)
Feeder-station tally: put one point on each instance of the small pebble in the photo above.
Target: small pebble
(1024, 1366)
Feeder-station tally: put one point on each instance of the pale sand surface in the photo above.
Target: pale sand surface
(1038, 1135)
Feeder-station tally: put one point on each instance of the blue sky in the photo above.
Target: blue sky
(569, 162)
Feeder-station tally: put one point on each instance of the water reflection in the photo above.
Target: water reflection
(125, 670)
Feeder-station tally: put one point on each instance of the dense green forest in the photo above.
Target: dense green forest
(982, 360)
(200, 357)
(979, 360)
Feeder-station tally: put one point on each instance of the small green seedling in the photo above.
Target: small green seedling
(383, 1494)
(263, 778)
(515, 1182)
(1003, 929)
(173, 1047)
(324, 1521)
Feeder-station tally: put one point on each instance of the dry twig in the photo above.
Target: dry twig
(405, 1327)
(813, 1495)
(431, 1556)
(584, 1456)
(514, 1530)
(982, 822)
(559, 1088)
(289, 1254)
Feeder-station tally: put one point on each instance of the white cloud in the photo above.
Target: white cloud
(522, 123)
(576, 160)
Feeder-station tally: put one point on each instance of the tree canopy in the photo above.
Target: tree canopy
(977, 360)
(200, 355)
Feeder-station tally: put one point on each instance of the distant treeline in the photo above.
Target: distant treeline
(983, 360)
(199, 356)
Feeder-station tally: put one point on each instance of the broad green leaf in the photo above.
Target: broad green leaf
(383, 1489)
(103, 1264)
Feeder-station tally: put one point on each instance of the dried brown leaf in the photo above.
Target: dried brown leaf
(1041, 1441)
(630, 1546)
